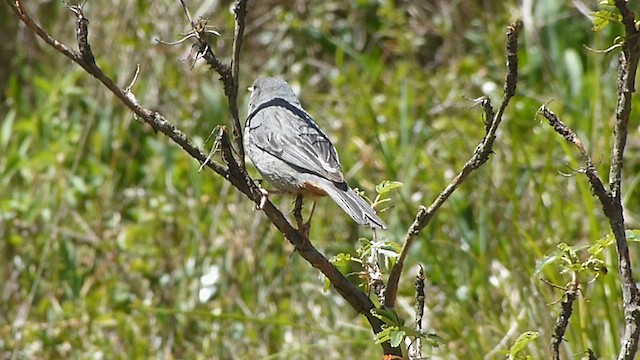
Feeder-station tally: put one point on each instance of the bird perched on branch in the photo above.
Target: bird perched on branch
(294, 155)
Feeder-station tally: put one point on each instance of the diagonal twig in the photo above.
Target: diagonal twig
(628, 65)
(479, 157)
(597, 186)
(229, 75)
(569, 296)
(240, 12)
(415, 350)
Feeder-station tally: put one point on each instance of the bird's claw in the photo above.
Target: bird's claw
(263, 199)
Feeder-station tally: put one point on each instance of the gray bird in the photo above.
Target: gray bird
(293, 154)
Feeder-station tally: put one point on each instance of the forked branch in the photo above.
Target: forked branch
(479, 157)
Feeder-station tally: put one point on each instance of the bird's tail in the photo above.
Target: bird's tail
(355, 206)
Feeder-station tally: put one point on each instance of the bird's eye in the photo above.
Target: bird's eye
(252, 88)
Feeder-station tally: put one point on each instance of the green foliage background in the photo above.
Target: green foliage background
(107, 229)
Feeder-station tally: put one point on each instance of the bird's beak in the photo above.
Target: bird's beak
(250, 88)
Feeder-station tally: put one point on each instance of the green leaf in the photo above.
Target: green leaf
(387, 185)
(413, 332)
(433, 339)
(342, 259)
(365, 247)
(633, 235)
(596, 265)
(327, 284)
(389, 316)
(389, 250)
(383, 336)
(563, 249)
(396, 337)
(393, 334)
(572, 268)
(523, 340)
(601, 244)
(383, 201)
(6, 128)
(546, 261)
(602, 18)
(570, 252)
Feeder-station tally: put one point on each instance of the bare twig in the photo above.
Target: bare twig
(626, 87)
(562, 321)
(234, 170)
(297, 211)
(240, 12)
(303, 227)
(561, 128)
(229, 75)
(480, 156)
(375, 279)
(415, 351)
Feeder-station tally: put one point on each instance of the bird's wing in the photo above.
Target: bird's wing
(288, 133)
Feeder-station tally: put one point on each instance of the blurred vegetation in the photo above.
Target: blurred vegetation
(114, 246)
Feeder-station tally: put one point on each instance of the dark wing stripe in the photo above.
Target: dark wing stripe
(320, 154)
(293, 165)
(287, 105)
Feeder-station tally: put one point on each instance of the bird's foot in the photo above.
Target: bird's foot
(297, 211)
(263, 198)
(307, 225)
(303, 227)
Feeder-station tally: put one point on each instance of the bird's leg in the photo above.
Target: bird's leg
(313, 208)
(303, 227)
(297, 211)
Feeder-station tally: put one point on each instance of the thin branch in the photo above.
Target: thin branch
(597, 186)
(415, 350)
(375, 279)
(229, 75)
(628, 18)
(297, 211)
(480, 156)
(297, 215)
(562, 321)
(628, 65)
(240, 12)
